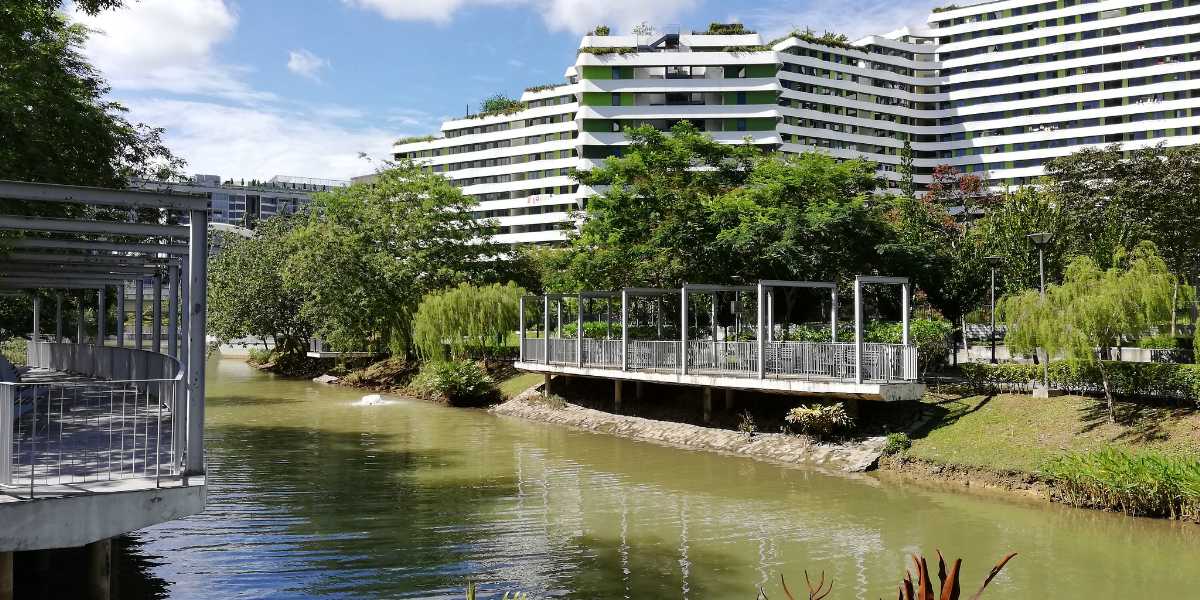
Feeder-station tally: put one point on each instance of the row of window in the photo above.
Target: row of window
(1086, 70)
(1019, 11)
(515, 123)
(510, 177)
(1090, 34)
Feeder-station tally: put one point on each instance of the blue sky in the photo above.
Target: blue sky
(255, 88)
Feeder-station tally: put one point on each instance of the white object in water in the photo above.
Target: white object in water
(371, 400)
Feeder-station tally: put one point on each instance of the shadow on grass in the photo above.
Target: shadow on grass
(948, 411)
(1142, 420)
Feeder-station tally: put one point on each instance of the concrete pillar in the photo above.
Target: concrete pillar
(858, 332)
(58, 318)
(546, 384)
(6, 576)
(197, 343)
(156, 316)
(637, 390)
(853, 407)
(99, 569)
(121, 314)
(707, 404)
(101, 310)
(617, 396)
(729, 394)
(172, 310)
(139, 313)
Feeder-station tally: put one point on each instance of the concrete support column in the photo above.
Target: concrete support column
(904, 310)
(156, 316)
(521, 329)
(37, 318)
(579, 331)
(101, 315)
(760, 335)
(139, 312)
(172, 311)
(99, 569)
(79, 323)
(729, 395)
(198, 311)
(683, 329)
(858, 332)
(58, 317)
(833, 314)
(546, 384)
(6, 576)
(546, 334)
(624, 330)
(637, 390)
(617, 396)
(121, 314)
(853, 407)
(707, 404)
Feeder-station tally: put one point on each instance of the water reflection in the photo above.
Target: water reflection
(312, 496)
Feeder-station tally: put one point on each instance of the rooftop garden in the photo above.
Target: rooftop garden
(608, 50)
(413, 139)
(828, 38)
(725, 29)
(946, 8)
(498, 104)
(600, 30)
(545, 86)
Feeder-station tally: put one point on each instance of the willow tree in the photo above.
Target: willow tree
(1093, 309)
(466, 320)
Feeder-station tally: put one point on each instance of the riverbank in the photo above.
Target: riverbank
(849, 456)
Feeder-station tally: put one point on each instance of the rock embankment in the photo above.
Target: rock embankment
(850, 456)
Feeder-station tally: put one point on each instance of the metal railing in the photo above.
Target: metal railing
(563, 351)
(889, 362)
(534, 350)
(76, 423)
(810, 359)
(656, 355)
(602, 353)
(736, 358)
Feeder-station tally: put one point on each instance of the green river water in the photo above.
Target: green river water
(314, 495)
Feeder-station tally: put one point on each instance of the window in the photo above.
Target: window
(616, 72)
(741, 125)
(741, 97)
(616, 99)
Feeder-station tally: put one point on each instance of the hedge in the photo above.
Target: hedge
(1130, 380)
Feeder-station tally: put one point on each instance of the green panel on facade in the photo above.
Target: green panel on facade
(596, 126)
(597, 99)
(596, 72)
(761, 70)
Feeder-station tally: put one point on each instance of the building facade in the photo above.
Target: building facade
(243, 203)
(993, 89)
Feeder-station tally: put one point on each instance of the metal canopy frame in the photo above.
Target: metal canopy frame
(905, 292)
(71, 261)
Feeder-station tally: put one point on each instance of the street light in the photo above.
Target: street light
(1041, 239)
(993, 261)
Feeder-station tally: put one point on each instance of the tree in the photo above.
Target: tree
(1111, 198)
(966, 195)
(56, 124)
(906, 169)
(246, 291)
(1092, 309)
(370, 252)
(1003, 232)
(649, 226)
(466, 320)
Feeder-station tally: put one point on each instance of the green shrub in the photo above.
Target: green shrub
(466, 321)
(820, 420)
(456, 382)
(1130, 380)
(746, 424)
(1140, 484)
(896, 443)
(14, 349)
(261, 356)
(601, 30)
(1158, 341)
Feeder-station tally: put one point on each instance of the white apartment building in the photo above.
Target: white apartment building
(994, 89)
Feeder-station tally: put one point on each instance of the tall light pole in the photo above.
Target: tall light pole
(993, 261)
(1040, 240)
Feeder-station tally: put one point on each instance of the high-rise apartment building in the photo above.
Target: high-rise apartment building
(242, 203)
(993, 89)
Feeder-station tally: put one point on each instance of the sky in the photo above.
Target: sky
(256, 88)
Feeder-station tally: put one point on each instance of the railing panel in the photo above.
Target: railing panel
(810, 359)
(602, 353)
(727, 358)
(889, 362)
(657, 355)
(563, 351)
(534, 350)
(64, 433)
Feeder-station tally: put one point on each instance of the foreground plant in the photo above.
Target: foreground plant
(1138, 484)
(922, 589)
(820, 421)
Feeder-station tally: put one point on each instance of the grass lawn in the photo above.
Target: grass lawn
(1019, 432)
(518, 383)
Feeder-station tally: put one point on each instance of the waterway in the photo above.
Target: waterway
(312, 494)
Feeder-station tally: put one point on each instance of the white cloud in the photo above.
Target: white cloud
(855, 18)
(576, 16)
(252, 142)
(166, 45)
(306, 64)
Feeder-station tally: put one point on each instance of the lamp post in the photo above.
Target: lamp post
(1040, 240)
(993, 261)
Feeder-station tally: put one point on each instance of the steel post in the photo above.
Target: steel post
(624, 330)
(858, 332)
(138, 312)
(173, 311)
(520, 329)
(760, 333)
(58, 317)
(197, 309)
(120, 315)
(156, 316)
